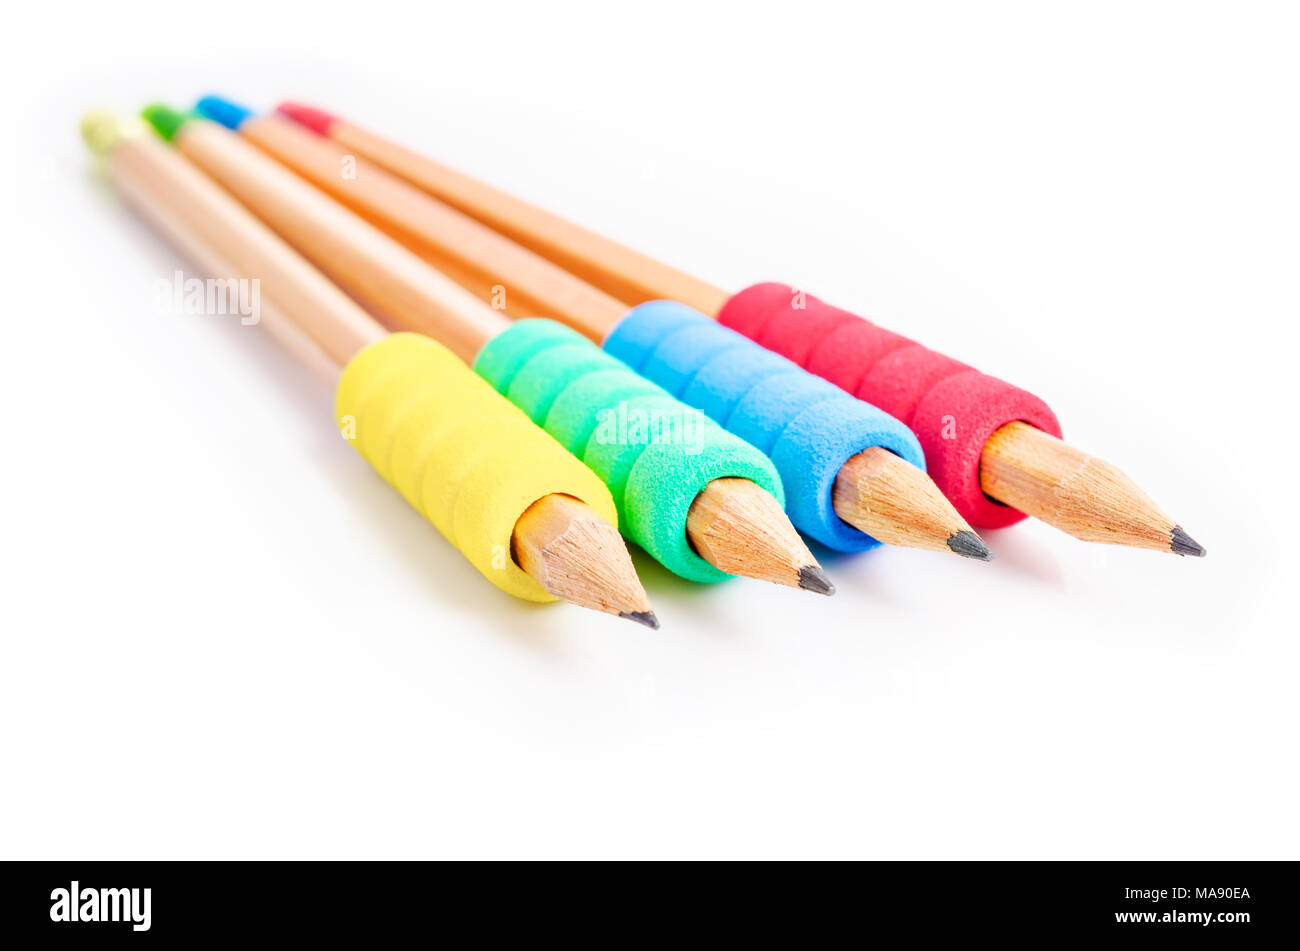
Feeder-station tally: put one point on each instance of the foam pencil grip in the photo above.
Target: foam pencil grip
(952, 408)
(808, 427)
(466, 458)
(655, 453)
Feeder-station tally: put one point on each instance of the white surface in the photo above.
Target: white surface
(224, 636)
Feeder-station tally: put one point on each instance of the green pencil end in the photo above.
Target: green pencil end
(165, 120)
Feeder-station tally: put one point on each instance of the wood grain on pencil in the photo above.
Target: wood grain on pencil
(578, 556)
(365, 262)
(1080, 494)
(738, 527)
(898, 504)
(625, 274)
(532, 285)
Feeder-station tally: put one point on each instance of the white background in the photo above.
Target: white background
(225, 636)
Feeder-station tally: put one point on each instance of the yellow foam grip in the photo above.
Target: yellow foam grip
(461, 453)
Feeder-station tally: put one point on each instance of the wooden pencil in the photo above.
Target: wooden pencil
(1018, 468)
(1084, 496)
(626, 274)
(885, 496)
(566, 546)
(409, 294)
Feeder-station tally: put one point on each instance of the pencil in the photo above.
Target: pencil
(869, 486)
(669, 485)
(561, 542)
(994, 449)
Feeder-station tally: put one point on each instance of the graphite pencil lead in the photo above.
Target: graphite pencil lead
(740, 528)
(647, 618)
(969, 545)
(812, 578)
(1183, 544)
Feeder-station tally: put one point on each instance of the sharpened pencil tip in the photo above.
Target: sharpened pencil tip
(812, 578)
(647, 618)
(1183, 544)
(969, 545)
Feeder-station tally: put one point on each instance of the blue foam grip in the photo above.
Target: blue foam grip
(808, 427)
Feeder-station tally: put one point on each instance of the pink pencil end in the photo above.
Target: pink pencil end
(318, 120)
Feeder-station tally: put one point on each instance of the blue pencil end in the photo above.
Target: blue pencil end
(223, 111)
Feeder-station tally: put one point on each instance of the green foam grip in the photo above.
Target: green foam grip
(653, 452)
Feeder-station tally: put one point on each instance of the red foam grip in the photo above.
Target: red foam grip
(952, 408)
(899, 380)
(846, 354)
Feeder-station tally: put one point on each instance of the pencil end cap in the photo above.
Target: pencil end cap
(318, 120)
(223, 111)
(165, 120)
(1183, 544)
(102, 130)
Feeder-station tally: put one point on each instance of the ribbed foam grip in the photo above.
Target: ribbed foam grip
(655, 453)
(807, 426)
(952, 408)
(465, 457)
